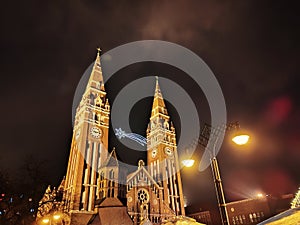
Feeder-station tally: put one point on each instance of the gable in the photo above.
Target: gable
(141, 177)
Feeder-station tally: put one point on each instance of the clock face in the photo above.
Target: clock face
(96, 132)
(168, 151)
(77, 134)
(154, 153)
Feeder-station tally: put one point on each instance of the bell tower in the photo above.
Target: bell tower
(162, 157)
(89, 148)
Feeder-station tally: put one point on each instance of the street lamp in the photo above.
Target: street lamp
(240, 139)
(260, 195)
(188, 162)
(204, 140)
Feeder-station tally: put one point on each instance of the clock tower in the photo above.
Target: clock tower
(154, 193)
(89, 148)
(162, 157)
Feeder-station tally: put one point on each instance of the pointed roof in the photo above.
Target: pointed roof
(62, 184)
(112, 159)
(158, 106)
(96, 78)
(157, 93)
(110, 211)
(142, 169)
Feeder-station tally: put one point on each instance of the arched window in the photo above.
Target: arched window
(102, 194)
(244, 218)
(106, 106)
(166, 125)
(92, 98)
(251, 218)
(254, 217)
(101, 175)
(241, 220)
(233, 220)
(258, 216)
(98, 102)
(237, 220)
(111, 174)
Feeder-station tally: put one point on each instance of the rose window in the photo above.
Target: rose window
(143, 196)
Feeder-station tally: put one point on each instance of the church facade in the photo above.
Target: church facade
(152, 193)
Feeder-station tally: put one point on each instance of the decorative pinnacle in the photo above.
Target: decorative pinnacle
(98, 51)
(156, 84)
(157, 88)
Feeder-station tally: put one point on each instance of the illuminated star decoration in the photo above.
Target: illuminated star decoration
(135, 137)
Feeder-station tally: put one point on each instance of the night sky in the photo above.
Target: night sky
(251, 46)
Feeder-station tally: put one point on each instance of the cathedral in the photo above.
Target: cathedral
(92, 191)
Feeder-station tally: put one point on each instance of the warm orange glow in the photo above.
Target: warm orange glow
(46, 220)
(260, 195)
(241, 139)
(188, 162)
(56, 216)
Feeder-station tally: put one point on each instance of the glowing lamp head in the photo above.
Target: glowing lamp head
(45, 220)
(188, 162)
(260, 195)
(241, 139)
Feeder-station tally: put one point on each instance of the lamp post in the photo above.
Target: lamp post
(205, 140)
(219, 190)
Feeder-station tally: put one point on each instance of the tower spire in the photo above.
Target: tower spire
(90, 138)
(96, 78)
(162, 154)
(158, 106)
(157, 93)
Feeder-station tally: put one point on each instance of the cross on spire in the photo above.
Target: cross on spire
(98, 51)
